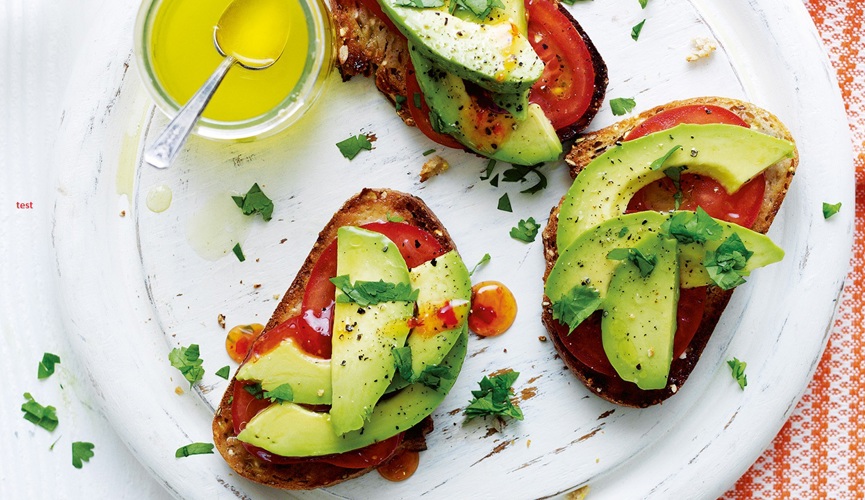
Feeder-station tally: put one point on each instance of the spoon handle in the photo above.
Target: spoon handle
(161, 153)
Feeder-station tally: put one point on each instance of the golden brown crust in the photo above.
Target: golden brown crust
(589, 146)
(370, 205)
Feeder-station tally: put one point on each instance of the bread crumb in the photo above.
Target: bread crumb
(703, 47)
(178, 391)
(220, 318)
(257, 285)
(528, 443)
(432, 167)
(276, 296)
(542, 338)
(578, 494)
(343, 54)
(123, 213)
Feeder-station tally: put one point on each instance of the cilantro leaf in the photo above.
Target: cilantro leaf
(238, 252)
(223, 372)
(526, 230)
(491, 164)
(575, 306)
(365, 293)
(494, 397)
(658, 163)
(432, 376)
(43, 416)
(46, 366)
(280, 394)
(622, 105)
(420, 4)
(623, 231)
(399, 100)
(519, 173)
(636, 30)
(505, 203)
(81, 452)
(194, 449)
(690, 227)
(738, 371)
(402, 361)
(353, 145)
(646, 263)
(394, 218)
(480, 8)
(486, 258)
(830, 210)
(417, 98)
(726, 261)
(187, 360)
(255, 201)
(675, 175)
(643, 3)
(255, 390)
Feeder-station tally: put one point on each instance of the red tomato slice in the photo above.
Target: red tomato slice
(567, 85)
(696, 113)
(421, 115)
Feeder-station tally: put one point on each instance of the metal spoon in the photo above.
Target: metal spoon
(239, 26)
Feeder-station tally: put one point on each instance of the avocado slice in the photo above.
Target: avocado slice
(730, 154)
(309, 376)
(291, 430)
(362, 362)
(639, 322)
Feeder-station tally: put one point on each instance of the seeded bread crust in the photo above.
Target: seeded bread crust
(369, 205)
(593, 144)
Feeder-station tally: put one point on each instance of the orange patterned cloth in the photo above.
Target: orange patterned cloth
(820, 452)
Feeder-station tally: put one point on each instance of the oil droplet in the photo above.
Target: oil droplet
(159, 198)
(214, 229)
(493, 310)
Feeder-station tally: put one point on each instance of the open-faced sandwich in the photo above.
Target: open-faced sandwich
(360, 351)
(666, 215)
(507, 79)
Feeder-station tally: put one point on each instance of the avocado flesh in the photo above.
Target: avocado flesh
(308, 376)
(730, 154)
(585, 262)
(497, 57)
(531, 141)
(362, 362)
(639, 322)
(291, 430)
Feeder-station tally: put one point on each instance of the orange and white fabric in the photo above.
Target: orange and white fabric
(820, 452)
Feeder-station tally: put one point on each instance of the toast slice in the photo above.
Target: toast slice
(593, 144)
(369, 205)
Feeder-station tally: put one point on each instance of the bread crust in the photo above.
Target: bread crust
(593, 144)
(369, 205)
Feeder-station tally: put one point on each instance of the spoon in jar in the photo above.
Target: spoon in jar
(251, 33)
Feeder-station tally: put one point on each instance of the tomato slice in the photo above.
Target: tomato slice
(567, 85)
(695, 113)
(421, 115)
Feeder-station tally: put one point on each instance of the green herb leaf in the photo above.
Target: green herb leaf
(494, 397)
(491, 164)
(194, 449)
(432, 376)
(495, 181)
(187, 360)
(429, 152)
(526, 230)
(738, 370)
(505, 203)
(353, 145)
(658, 163)
(643, 3)
(238, 252)
(480, 8)
(622, 105)
(690, 227)
(280, 394)
(399, 101)
(575, 306)
(675, 175)
(402, 361)
(81, 452)
(46, 366)
(255, 201)
(365, 293)
(486, 258)
(255, 390)
(519, 173)
(418, 100)
(224, 372)
(623, 231)
(43, 416)
(830, 210)
(724, 264)
(635, 31)
(646, 263)
(394, 218)
(420, 4)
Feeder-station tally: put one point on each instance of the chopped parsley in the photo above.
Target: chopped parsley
(238, 252)
(280, 394)
(623, 231)
(420, 4)
(646, 263)
(480, 8)
(622, 105)
(575, 306)
(432, 376)
(194, 449)
(525, 230)
(505, 203)
(690, 227)
(43, 416)
(255, 390)
(491, 164)
(829, 210)
(399, 101)
(635, 31)
(675, 175)
(494, 397)
(518, 173)
(643, 3)
(726, 261)
(738, 371)
(365, 293)
(402, 361)
(255, 201)
(223, 372)
(494, 182)
(46, 366)
(187, 360)
(658, 163)
(81, 452)
(486, 258)
(429, 152)
(353, 145)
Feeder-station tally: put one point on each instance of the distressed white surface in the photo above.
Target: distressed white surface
(132, 287)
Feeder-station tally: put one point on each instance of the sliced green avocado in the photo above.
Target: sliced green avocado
(309, 376)
(291, 430)
(639, 322)
(528, 142)
(497, 57)
(730, 154)
(584, 262)
(364, 337)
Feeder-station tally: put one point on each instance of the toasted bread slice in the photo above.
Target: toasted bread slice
(369, 205)
(591, 145)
